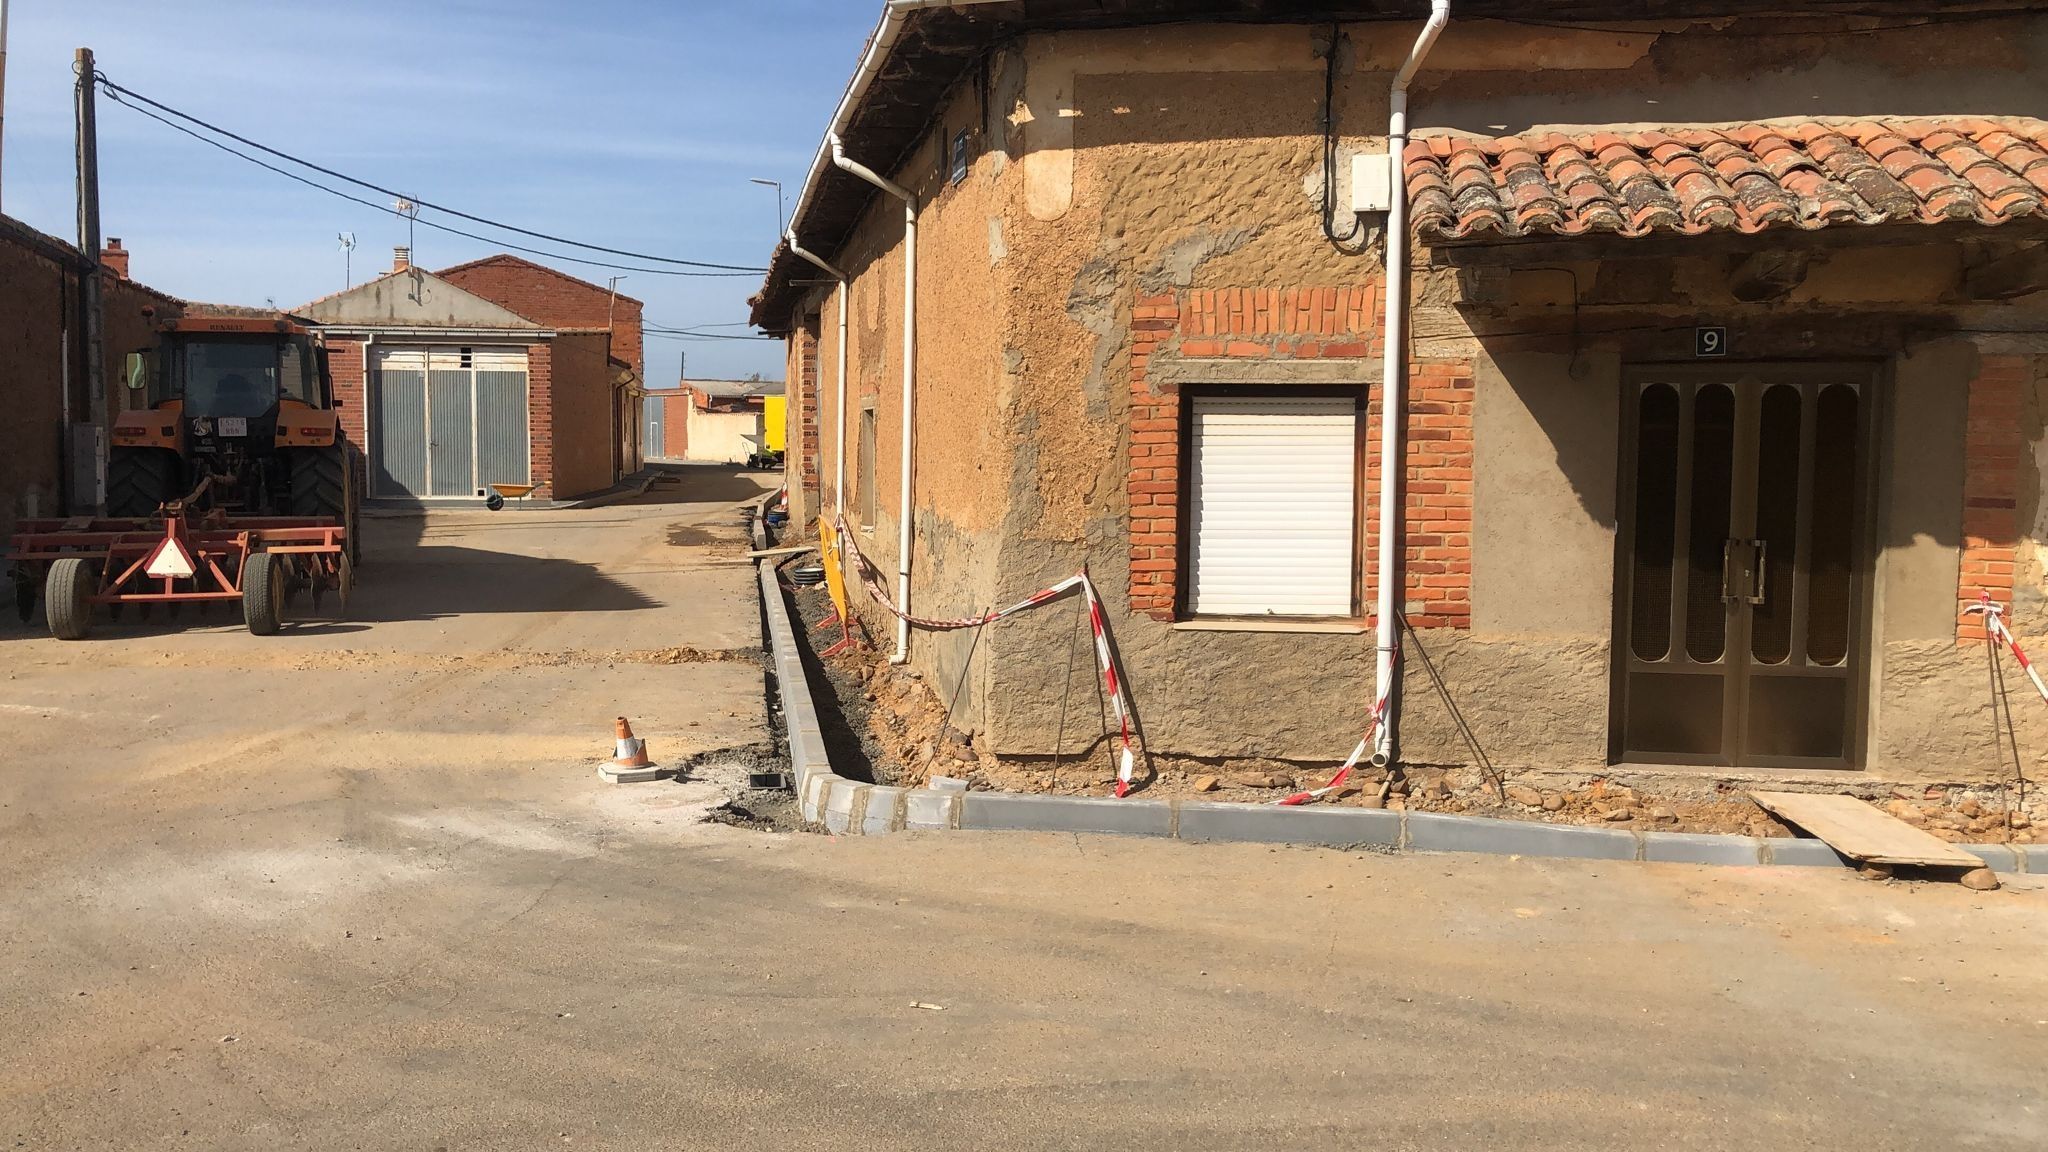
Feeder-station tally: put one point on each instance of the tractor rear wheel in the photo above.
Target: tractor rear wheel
(65, 598)
(324, 484)
(140, 480)
(263, 586)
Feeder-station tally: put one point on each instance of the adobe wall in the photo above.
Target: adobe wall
(975, 480)
(1151, 218)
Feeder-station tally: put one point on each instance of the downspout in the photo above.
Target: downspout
(905, 514)
(1395, 368)
(894, 15)
(839, 381)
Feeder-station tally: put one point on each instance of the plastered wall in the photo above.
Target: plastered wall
(1142, 164)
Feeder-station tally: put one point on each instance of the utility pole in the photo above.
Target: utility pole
(3, 76)
(89, 280)
(683, 369)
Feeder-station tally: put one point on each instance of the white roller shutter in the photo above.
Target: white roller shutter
(1273, 506)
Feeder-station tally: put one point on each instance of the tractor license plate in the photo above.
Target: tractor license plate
(234, 426)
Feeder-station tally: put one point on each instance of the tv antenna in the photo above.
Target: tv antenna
(348, 254)
(411, 212)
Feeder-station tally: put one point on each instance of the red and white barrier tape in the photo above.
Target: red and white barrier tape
(1098, 622)
(1343, 775)
(1994, 620)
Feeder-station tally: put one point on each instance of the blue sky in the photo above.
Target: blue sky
(634, 124)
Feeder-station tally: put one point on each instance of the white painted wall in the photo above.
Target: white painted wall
(721, 437)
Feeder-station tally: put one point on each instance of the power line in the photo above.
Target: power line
(117, 91)
(389, 210)
(658, 334)
(698, 331)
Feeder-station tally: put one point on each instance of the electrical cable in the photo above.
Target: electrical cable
(657, 334)
(1457, 714)
(391, 211)
(2000, 700)
(688, 330)
(1060, 736)
(117, 91)
(968, 665)
(1329, 220)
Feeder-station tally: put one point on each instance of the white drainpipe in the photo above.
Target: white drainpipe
(895, 13)
(839, 403)
(905, 514)
(1395, 363)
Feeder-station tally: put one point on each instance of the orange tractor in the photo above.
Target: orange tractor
(228, 479)
(244, 404)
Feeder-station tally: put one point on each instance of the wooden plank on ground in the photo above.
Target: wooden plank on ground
(1861, 832)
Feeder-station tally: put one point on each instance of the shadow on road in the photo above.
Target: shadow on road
(704, 484)
(431, 581)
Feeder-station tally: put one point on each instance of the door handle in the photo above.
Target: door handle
(1749, 556)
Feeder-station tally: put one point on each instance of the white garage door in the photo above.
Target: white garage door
(448, 421)
(1273, 506)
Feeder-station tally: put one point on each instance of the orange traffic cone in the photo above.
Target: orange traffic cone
(629, 758)
(632, 752)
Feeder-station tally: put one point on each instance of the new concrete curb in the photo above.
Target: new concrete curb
(850, 808)
(631, 488)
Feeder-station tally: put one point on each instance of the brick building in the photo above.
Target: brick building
(46, 448)
(494, 371)
(1711, 429)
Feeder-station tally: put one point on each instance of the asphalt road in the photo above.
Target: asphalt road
(359, 889)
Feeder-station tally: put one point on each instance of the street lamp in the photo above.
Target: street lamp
(781, 218)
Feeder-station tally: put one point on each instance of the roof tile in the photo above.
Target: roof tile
(1734, 177)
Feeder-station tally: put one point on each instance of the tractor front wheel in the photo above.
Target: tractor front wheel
(263, 588)
(67, 591)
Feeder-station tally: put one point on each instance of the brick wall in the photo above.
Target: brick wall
(805, 406)
(1436, 494)
(554, 299)
(540, 417)
(345, 366)
(1991, 477)
(1301, 323)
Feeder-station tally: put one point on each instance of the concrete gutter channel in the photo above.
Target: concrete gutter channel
(848, 807)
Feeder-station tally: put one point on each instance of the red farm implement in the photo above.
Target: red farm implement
(176, 557)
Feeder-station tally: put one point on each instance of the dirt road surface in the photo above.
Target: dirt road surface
(355, 887)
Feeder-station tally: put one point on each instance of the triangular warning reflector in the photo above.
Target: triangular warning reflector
(170, 560)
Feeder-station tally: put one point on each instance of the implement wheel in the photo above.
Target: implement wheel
(65, 603)
(324, 484)
(263, 587)
(139, 480)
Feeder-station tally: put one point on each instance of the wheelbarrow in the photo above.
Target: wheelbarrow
(503, 492)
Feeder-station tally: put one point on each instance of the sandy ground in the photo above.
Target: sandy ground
(359, 890)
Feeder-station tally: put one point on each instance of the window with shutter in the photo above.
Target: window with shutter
(1272, 509)
(864, 468)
